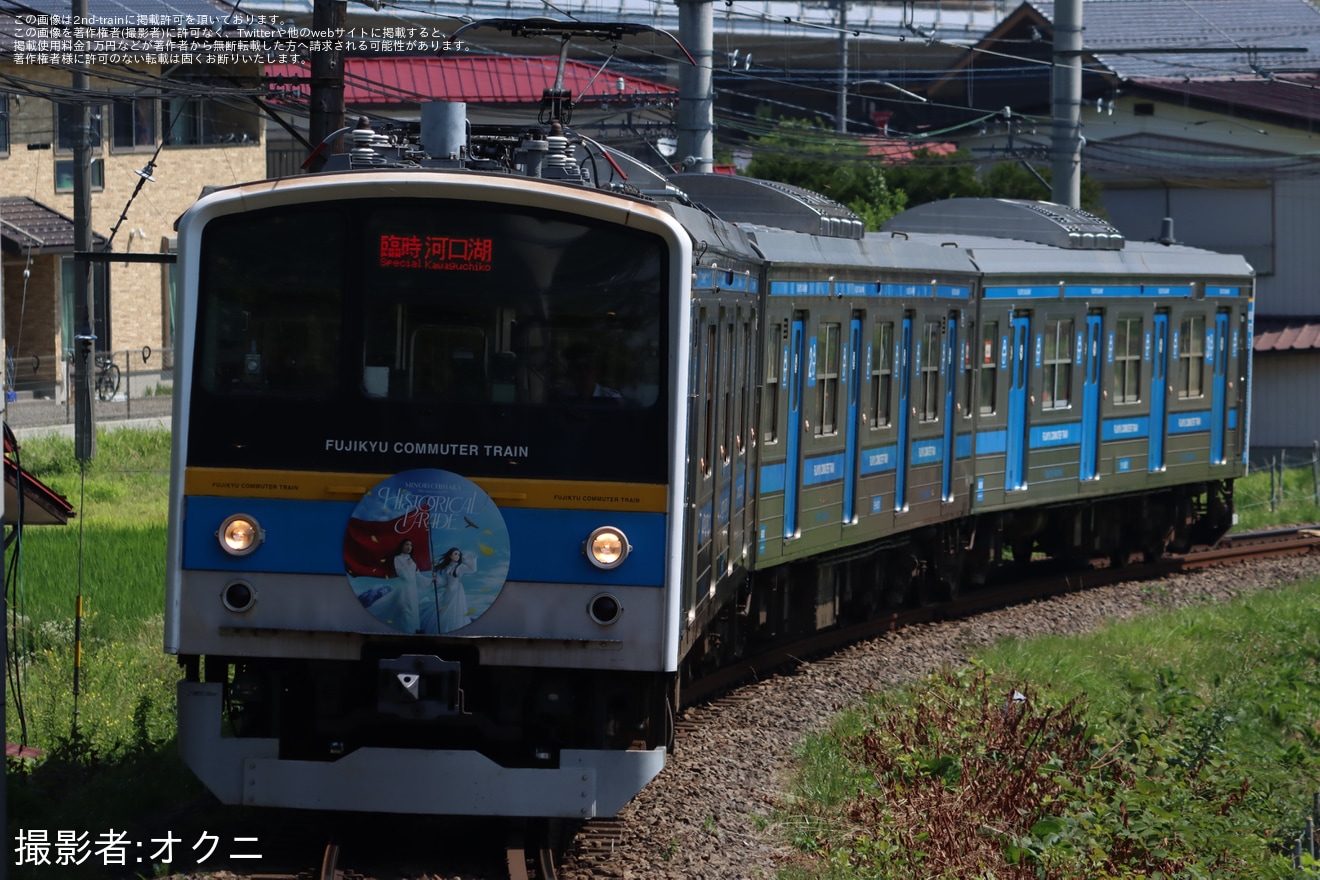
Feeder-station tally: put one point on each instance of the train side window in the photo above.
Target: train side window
(827, 379)
(987, 403)
(968, 376)
(1191, 358)
(708, 359)
(730, 377)
(773, 353)
(743, 381)
(1058, 363)
(882, 373)
(1127, 360)
(929, 399)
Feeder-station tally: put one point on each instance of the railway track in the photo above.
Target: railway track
(532, 851)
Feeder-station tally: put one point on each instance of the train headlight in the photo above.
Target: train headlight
(607, 547)
(240, 534)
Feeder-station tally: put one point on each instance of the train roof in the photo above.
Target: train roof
(875, 251)
(1020, 238)
(1012, 257)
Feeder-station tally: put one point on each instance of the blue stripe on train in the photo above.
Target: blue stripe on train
(308, 537)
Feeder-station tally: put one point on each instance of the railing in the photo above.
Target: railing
(1303, 852)
(126, 384)
(120, 377)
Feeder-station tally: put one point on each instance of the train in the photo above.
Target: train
(487, 440)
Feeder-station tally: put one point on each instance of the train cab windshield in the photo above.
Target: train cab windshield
(484, 325)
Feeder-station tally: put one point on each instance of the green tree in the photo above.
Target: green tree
(929, 178)
(836, 166)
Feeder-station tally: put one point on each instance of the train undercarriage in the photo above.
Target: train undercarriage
(936, 563)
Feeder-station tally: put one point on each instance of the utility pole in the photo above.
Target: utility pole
(84, 323)
(696, 118)
(1066, 98)
(327, 84)
(841, 113)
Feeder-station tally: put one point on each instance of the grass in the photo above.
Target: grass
(1294, 498)
(119, 729)
(1184, 744)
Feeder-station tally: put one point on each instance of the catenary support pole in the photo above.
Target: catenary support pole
(1066, 143)
(696, 120)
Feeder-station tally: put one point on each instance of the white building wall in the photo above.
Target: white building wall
(1285, 409)
(1294, 290)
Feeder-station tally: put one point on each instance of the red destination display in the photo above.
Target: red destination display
(437, 252)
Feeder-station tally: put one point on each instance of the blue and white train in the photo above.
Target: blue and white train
(478, 459)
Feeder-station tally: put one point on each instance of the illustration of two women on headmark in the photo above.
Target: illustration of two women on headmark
(391, 552)
(448, 603)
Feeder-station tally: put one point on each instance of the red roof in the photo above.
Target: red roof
(902, 150)
(484, 79)
(1287, 334)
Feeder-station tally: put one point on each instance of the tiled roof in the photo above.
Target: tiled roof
(399, 79)
(28, 224)
(1287, 334)
(1248, 27)
(17, 24)
(902, 150)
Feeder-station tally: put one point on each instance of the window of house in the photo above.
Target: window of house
(72, 308)
(64, 175)
(192, 121)
(68, 127)
(1058, 363)
(989, 370)
(133, 123)
(1191, 358)
(930, 372)
(882, 373)
(4, 123)
(1127, 361)
(827, 379)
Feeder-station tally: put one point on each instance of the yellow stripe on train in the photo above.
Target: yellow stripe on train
(335, 486)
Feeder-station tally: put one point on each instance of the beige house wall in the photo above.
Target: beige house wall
(138, 308)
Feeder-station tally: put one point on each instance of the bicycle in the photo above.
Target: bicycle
(107, 377)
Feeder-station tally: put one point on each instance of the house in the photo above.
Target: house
(1203, 111)
(172, 112)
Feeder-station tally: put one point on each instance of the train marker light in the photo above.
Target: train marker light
(240, 534)
(607, 547)
(238, 596)
(605, 608)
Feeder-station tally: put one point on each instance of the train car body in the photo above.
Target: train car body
(472, 468)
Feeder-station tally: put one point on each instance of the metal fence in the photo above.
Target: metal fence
(127, 384)
(1303, 853)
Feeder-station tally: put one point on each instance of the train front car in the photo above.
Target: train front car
(423, 521)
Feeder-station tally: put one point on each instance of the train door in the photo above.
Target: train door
(741, 439)
(1015, 467)
(724, 360)
(1091, 398)
(1159, 388)
(904, 411)
(793, 446)
(1219, 386)
(854, 380)
(949, 366)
